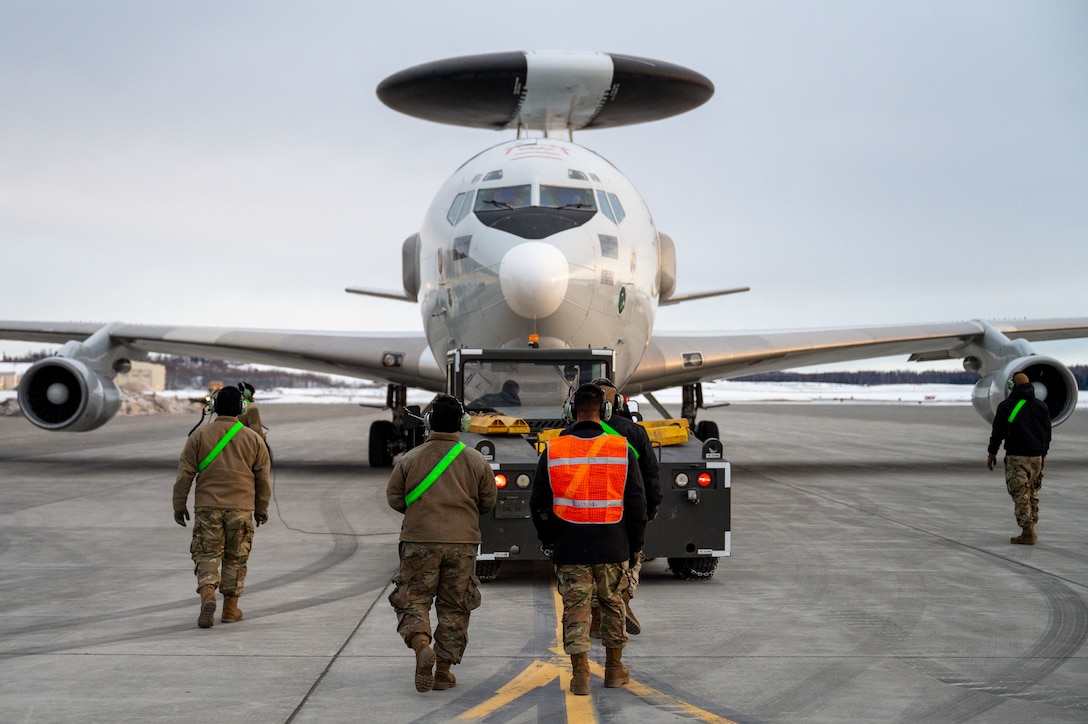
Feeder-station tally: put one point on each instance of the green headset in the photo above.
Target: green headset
(466, 419)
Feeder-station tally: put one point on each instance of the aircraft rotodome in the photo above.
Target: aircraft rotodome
(536, 238)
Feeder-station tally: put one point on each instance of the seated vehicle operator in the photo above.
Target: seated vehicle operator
(508, 396)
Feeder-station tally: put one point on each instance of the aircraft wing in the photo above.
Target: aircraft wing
(402, 358)
(673, 359)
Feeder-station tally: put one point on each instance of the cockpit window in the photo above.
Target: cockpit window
(577, 175)
(505, 197)
(460, 207)
(606, 209)
(493, 175)
(562, 197)
(617, 208)
(455, 208)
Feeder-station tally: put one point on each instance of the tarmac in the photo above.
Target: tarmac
(871, 579)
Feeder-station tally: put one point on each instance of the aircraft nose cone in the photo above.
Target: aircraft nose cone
(534, 279)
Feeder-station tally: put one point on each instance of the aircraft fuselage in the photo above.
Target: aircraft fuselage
(539, 236)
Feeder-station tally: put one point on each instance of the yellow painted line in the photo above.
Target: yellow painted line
(579, 708)
(534, 676)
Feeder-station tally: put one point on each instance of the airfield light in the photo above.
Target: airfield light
(704, 480)
(681, 480)
(534, 340)
(522, 481)
(500, 480)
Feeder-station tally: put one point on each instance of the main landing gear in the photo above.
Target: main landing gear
(692, 401)
(389, 438)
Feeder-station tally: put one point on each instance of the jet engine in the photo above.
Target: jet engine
(61, 393)
(1054, 385)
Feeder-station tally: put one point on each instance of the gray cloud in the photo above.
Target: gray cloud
(860, 163)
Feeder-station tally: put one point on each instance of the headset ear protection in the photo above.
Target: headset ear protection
(605, 411)
(211, 403)
(466, 419)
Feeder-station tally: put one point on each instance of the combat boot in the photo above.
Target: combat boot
(207, 606)
(424, 675)
(443, 677)
(615, 673)
(633, 626)
(579, 680)
(231, 612)
(1027, 538)
(595, 622)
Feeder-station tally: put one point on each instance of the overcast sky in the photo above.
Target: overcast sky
(230, 164)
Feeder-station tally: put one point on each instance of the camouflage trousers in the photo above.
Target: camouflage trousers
(1023, 479)
(633, 570)
(577, 583)
(443, 574)
(222, 538)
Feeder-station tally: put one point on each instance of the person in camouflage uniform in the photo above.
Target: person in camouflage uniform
(232, 490)
(588, 505)
(439, 538)
(639, 441)
(251, 417)
(1023, 422)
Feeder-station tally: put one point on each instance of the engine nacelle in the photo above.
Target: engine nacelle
(61, 393)
(1054, 385)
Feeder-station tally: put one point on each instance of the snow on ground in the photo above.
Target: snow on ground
(732, 392)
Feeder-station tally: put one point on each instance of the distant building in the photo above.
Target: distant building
(8, 380)
(148, 374)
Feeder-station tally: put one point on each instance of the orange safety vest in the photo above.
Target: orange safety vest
(588, 476)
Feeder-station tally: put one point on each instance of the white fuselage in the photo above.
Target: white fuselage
(539, 236)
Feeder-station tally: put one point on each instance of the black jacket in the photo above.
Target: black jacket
(647, 458)
(590, 542)
(1029, 432)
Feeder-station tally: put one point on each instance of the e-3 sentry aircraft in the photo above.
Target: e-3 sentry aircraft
(540, 238)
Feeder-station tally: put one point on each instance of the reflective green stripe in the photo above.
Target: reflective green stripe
(613, 431)
(219, 446)
(1016, 410)
(433, 475)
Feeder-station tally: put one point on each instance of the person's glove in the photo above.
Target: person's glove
(260, 518)
(633, 560)
(180, 516)
(990, 460)
(652, 513)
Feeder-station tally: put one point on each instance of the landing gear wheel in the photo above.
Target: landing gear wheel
(487, 570)
(706, 430)
(381, 433)
(693, 569)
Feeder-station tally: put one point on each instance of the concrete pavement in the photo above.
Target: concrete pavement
(871, 579)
